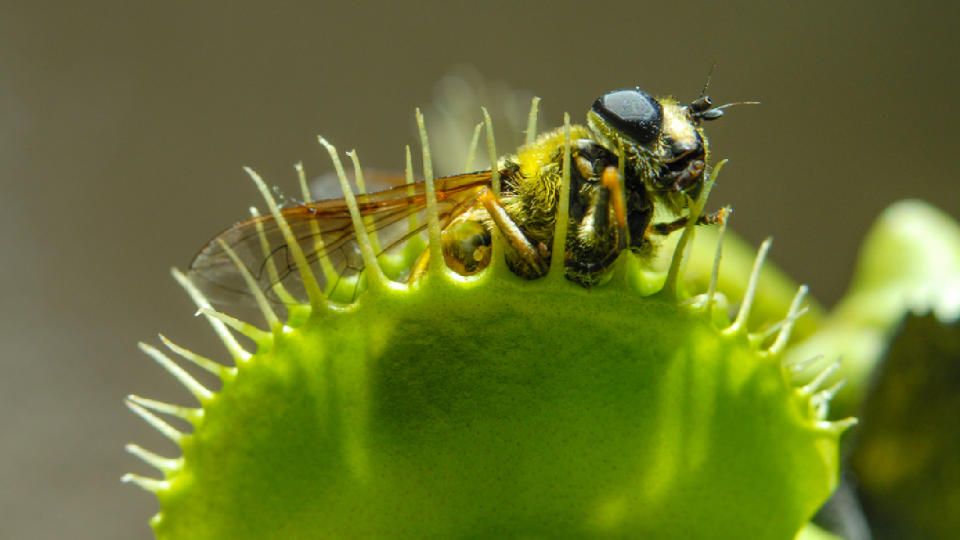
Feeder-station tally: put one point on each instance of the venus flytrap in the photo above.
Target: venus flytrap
(491, 405)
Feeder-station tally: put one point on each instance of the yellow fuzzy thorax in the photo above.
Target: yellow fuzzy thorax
(531, 157)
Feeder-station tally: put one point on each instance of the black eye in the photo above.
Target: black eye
(632, 112)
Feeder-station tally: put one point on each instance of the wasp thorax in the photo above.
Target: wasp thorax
(680, 129)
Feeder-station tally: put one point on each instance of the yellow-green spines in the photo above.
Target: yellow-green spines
(496, 406)
(518, 408)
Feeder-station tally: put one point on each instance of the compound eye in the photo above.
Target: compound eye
(632, 112)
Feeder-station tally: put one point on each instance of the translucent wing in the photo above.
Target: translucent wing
(325, 233)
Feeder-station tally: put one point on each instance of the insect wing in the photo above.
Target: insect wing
(325, 233)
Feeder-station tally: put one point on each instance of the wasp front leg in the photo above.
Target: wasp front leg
(663, 229)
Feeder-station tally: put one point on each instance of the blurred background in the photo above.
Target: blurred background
(124, 126)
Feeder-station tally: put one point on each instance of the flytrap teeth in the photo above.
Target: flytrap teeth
(163, 464)
(192, 385)
(776, 327)
(795, 312)
(202, 362)
(190, 414)
(717, 256)
(306, 273)
(367, 229)
(701, 302)
(798, 367)
(268, 314)
(438, 265)
(229, 341)
(837, 426)
(139, 406)
(671, 286)
(821, 400)
(152, 485)
(743, 314)
(498, 264)
(782, 328)
(813, 386)
(472, 148)
(375, 276)
(265, 250)
(260, 337)
(531, 134)
(557, 269)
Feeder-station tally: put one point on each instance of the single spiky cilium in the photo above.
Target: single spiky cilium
(398, 390)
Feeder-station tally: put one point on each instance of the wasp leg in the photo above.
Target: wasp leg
(611, 181)
(594, 230)
(715, 218)
(598, 241)
(664, 229)
(518, 241)
(420, 267)
(594, 227)
(596, 222)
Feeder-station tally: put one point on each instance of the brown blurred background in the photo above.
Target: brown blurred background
(123, 129)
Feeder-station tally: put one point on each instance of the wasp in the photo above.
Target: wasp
(637, 154)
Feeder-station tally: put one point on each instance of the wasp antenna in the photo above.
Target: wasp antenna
(740, 323)
(362, 190)
(268, 314)
(306, 273)
(192, 385)
(709, 112)
(202, 362)
(724, 106)
(718, 254)
(793, 314)
(261, 337)
(706, 83)
(139, 407)
(558, 254)
(152, 485)
(532, 120)
(229, 341)
(437, 263)
(472, 149)
(163, 464)
(276, 284)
